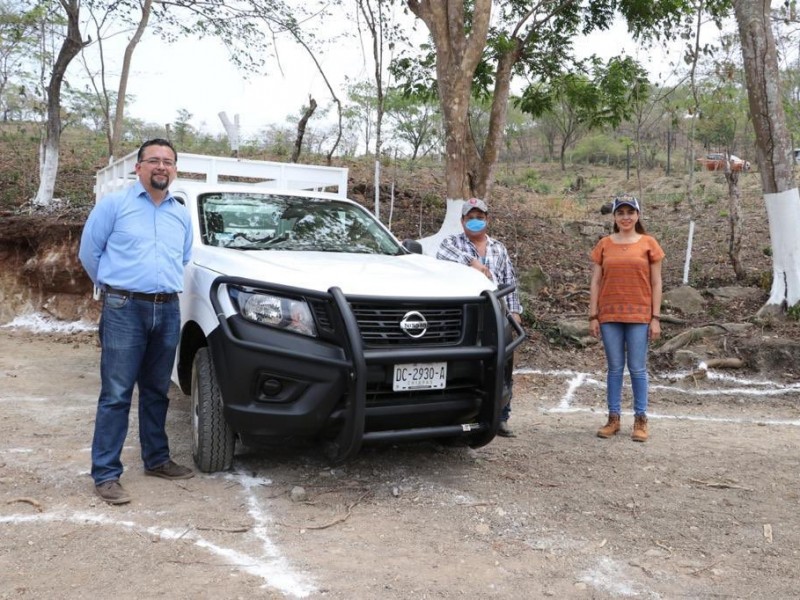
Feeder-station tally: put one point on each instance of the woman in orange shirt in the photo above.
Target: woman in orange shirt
(625, 308)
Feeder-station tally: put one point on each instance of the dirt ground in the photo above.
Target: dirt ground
(706, 509)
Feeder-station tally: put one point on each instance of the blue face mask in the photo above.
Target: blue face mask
(476, 225)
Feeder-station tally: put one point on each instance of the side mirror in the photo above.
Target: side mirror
(412, 246)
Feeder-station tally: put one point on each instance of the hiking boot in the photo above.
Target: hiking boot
(505, 431)
(112, 492)
(170, 470)
(639, 429)
(611, 428)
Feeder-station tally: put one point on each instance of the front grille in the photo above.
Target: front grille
(320, 308)
(380, 325)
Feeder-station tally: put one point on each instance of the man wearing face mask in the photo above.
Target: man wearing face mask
(475, 248)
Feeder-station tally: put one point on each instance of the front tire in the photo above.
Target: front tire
(213, 441)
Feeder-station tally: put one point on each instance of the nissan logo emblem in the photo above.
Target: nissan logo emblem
(414, 324)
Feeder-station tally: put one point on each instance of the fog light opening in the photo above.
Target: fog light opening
(271, 388)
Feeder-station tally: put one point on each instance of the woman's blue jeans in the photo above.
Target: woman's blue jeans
(621, 341)
(138, 340)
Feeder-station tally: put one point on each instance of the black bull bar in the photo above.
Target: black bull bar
(492, 348)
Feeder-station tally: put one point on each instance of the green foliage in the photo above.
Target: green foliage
(416, 122)
(793, 312)
(600, 149)
(765, 280)
(675, 199)
(431, 200)
(594, 96)
(529, 178)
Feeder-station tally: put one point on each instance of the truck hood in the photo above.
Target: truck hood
(409, 275)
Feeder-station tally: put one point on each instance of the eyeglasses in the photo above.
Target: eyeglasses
(154, 162)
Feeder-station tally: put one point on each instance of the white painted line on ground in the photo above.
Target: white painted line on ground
(608, 575)
(576, 379)
(18, 399)
(574, 384)
(698, 418)
(273, 570)
(726, 391)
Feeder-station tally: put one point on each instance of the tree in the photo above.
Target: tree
(301, 128)
(182, 128)
(101, 13)
(531, 37)
(17, 40)
(415, 122)
(773, 150)
(528, 37)
(459, 39)
(581, 102)
(375, 16)
(119, 111)
(362, 109)
(48, 154)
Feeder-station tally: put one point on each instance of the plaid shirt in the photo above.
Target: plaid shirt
(458, 248)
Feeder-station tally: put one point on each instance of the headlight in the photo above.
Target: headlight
(290, 314)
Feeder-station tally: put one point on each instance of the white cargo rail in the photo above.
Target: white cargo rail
(200, 168)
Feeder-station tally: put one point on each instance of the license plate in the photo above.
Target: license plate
(420, 376)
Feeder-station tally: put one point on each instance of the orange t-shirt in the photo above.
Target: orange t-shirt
(626, 295)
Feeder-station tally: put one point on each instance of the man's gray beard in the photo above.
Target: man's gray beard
(159, 185)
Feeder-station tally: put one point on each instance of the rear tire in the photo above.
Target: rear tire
(213, 441)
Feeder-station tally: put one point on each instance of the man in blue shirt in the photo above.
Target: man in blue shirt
(475, 248)
(134, 247)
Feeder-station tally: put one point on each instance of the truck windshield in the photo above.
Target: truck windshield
(262, 221)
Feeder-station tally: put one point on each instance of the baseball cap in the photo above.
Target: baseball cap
(626, 200)
(473, 203)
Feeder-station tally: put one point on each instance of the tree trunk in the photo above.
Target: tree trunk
(301, 129)
(119, 113)
(457, 56)
(735, 222)
(773, 150)
(497, 122)
(374, 19)
(48, 160)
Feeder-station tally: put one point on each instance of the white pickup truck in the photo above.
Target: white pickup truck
(303, 317)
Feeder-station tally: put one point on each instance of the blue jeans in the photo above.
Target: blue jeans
(621, 340)
(138, 340)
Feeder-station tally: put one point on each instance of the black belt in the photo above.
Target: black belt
(158, 298)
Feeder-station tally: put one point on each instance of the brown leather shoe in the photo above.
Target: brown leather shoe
(640, 429)
(112, 492)
(611, 428)
(170, 470)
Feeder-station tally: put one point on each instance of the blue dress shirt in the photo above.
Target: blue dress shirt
(131, 244)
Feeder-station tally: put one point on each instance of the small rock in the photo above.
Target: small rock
(298, 494)
(482, 529)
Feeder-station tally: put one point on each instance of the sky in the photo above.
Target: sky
(198, 76)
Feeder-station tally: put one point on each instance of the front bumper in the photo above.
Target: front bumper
(276, 384)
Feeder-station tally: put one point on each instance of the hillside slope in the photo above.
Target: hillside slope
(548, 218)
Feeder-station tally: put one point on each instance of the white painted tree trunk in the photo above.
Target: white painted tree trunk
(450, 225)
(773, 150)
(48, 169)
(783, 210)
